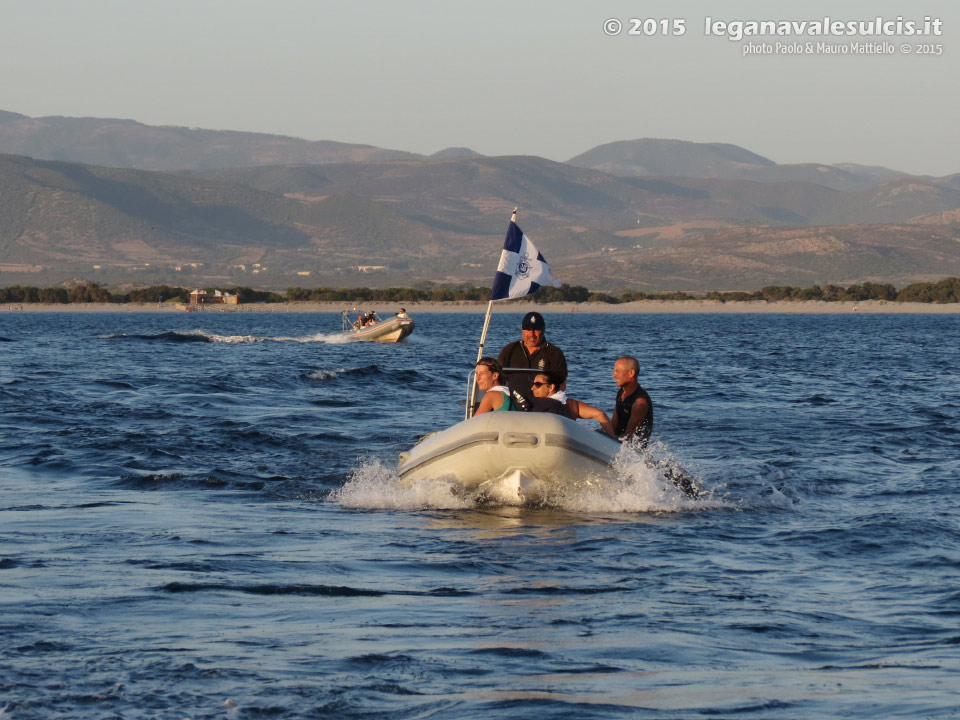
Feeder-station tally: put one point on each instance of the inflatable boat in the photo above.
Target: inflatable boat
(511, 457)
(390, 330)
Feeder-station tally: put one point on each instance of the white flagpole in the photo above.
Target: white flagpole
(483, 335)
(483, 339)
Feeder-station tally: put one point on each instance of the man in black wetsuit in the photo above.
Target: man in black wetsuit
(633, 415)
(532, 351)
(633, 420)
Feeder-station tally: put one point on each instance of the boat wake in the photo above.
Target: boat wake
(203, 336)
(642, 483)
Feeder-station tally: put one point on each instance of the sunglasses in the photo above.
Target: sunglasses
(540, 384)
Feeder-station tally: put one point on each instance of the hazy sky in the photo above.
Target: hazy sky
(535, 77)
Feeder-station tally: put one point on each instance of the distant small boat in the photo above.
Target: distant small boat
(372, 329)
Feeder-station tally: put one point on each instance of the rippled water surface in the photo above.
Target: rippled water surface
(198, 518)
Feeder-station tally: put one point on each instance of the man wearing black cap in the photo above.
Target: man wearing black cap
(534, 352)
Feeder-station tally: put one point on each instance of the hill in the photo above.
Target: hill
(402, 222)
(651, 156)
(129, 144)
(112, 142)
(116, 199)
(469, 188)
(454, 152)
(750, 258)
(668, 158)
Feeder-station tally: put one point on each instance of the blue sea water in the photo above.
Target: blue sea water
(198, 518)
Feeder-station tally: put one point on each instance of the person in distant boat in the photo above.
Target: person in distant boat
(496, 395)
(547, 398)
(633, 414)
(531, 351)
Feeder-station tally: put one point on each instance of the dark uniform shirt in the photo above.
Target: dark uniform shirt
(547, 358)
(625, 405)
(550, 405)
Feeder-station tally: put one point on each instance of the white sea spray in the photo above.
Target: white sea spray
(640, 483)
(326, 374)
(374, 486)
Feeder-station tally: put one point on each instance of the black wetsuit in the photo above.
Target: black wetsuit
(547, 358)
(669, 468)
(625, 405)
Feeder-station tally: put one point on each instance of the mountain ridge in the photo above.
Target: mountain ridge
(65, 220)
(114, 142)
(117, 142)
(370, 216)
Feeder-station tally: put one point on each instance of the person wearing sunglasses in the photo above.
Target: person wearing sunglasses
(546, 387)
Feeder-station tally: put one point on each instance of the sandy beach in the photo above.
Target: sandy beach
(414, 308)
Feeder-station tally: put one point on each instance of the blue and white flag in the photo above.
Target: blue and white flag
(522, 268)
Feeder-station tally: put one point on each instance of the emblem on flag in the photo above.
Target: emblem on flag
(522, 268)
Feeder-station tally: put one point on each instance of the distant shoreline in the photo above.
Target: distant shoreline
(807, 307)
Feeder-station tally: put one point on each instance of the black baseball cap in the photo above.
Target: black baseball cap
(533, 321)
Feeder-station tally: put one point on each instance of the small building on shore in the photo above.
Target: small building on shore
(202, 297)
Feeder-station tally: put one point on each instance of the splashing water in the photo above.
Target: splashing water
(326, 374)
(641, 483)
(373, 486)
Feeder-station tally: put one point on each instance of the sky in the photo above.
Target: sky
(519, 77)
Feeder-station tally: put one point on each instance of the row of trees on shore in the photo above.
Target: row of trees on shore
(94, 293)
(943, 291)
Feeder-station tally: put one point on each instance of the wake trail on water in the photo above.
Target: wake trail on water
(203, 336)
(640, 484)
